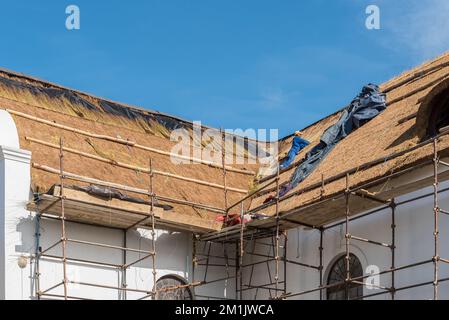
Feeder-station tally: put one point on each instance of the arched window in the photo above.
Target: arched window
(337, 274)
(433, 113)
(170, 282)
(439, 115)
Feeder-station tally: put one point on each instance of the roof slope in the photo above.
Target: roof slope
(392, 131)
(100, 137)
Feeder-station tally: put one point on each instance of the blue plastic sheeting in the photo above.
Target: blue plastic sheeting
(366, 106)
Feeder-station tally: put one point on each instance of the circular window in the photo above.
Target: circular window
(174, 288)
(337, 274)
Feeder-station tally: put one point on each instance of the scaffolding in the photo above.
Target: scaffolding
(361, 192)
(64, 258)
(240, 237)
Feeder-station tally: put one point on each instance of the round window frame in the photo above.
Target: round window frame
(180, 279)
(333, 264)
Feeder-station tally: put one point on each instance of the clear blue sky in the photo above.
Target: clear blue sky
(232, 64)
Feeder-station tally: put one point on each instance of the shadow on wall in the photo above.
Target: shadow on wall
(172, 248)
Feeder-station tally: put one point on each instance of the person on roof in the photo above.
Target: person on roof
(297, 145)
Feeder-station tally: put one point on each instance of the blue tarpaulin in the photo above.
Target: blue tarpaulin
(366, 106)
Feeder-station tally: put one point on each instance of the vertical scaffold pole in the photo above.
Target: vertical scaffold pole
(37, 273)
(276, 276)
(225, 194)
(347, 239)
(237, 270)
(223, 163)
(321, 248)
(63, 227)
(153, 231)
(393, 248)
(194, 258)
(436, 211)
(242, 249)
(285, 261)
(124, 268)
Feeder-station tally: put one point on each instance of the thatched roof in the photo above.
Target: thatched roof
(92, 126)
(400, 127)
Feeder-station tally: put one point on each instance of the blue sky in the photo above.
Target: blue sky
(232, 64)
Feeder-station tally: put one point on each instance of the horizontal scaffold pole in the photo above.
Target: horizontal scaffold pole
(133, 167)
(126, 142)
(80, 178)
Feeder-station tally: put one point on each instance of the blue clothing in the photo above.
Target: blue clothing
(297, 145)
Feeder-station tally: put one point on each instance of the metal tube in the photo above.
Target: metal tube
(347, 238)
(263, 287)
(393, 248)
(436, 256)
(385, 207)
(88, 284)
(285, 261)
(276, 253)
(373, 285)
(443, 163)
(252, 267)
(51, 247)
(252, 194)
(86, 261)
(89, 243)
(321, 262)
(37, 259)
(242, 249)
(63, 231)
(61, 296)
(381, 244)
(273, 258)
(75, 177)
(51, 205)
(237, 270)
(225, 189)
(52, 288)
(124, 269)
(194, 259)
(214, 256)
(127, 266)
(215, 265)
(153, 231)
(417, 264)
(257, 263)
(207, 260)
